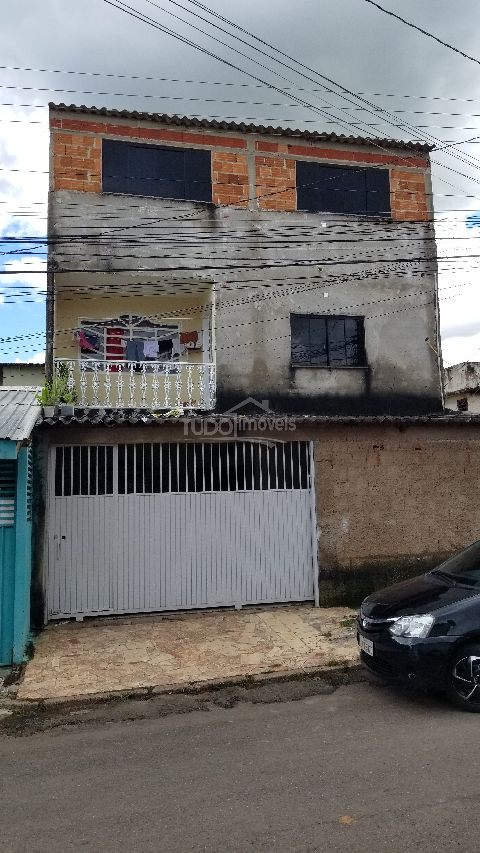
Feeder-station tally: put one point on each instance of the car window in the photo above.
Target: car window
(463, 567)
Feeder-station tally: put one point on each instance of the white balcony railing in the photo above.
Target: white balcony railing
(139, 385)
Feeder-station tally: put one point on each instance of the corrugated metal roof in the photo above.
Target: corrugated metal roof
(113, 417)
(241, 127)
(19, 411)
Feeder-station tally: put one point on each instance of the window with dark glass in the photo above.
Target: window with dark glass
(152, 170)
(327, 341)
(342, 189)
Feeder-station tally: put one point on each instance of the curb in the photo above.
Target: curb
(337, 675)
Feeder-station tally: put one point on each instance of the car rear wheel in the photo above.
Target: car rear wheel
(463, 685)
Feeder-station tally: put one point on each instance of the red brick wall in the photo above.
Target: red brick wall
(407, 184)
(76, 164)
(275, 183)
(408, 195)
(229, 179)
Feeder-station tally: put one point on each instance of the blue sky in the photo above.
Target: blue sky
(23, 202)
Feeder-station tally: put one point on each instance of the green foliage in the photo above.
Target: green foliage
(56, 392)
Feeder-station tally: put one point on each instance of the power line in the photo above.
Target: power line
(281, 53)
(206, 100)
(337, 308)
(286, 119)
(188, 81)
(355, 306)
(423, 32)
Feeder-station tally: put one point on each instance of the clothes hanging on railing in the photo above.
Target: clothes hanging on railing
(151, 348)
(88, 342)
(134, 350)
(114, 347)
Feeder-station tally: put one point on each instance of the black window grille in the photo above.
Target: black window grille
(83, 470)
(327, 341)
(213, 467)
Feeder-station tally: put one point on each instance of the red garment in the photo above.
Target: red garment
(114, 350)
(188, 337)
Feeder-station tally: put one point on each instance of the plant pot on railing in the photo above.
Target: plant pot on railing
(56, 393)
(67, 410)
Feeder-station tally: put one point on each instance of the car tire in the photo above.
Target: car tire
(463, 678)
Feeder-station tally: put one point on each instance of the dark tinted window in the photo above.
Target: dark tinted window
(182, 173)
(327, 341)
(339, 189)
(464, 567)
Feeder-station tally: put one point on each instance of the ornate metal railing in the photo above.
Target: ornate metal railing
(139, 385)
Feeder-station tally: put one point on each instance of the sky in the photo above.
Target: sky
(92, 53)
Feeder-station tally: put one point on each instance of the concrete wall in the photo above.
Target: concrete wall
(462, 382)
(22, 374)
(393, 501)
(473, 402)
(266, 260)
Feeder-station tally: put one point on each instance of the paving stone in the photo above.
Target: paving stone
(101, 656)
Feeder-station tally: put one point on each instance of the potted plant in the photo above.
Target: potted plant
(67, 402)
(57, 393)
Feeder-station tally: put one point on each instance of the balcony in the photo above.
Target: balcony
(154, 385)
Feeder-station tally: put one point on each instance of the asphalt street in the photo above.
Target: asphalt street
(362, 769)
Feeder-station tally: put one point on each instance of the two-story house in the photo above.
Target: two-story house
(193, 266)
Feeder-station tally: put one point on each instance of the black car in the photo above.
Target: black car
(426, 631)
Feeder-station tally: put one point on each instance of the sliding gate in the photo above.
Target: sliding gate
(151, 527)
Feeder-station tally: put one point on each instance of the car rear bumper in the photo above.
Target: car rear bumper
(410, 661)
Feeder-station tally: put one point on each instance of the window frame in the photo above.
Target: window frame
(362, 365)
(187, 152)
(359, 170)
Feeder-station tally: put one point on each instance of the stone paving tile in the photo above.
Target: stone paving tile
(103, 655)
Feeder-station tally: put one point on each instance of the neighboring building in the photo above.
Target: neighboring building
(208, 268)
(18, 414)
(21, 374)
(462, 387)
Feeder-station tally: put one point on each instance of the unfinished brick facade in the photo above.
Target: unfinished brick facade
(408, 195)
(275, 183)
(229, 179)
(76, 164)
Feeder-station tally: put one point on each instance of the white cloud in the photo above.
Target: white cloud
(458, 288)
(24, 178)
(38, 358)
(23, 271)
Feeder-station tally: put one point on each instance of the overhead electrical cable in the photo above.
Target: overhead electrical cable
(423, 31)
(302, 65)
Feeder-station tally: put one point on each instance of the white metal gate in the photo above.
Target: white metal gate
(150, 527)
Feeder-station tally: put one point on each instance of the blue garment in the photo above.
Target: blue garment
(134, 350)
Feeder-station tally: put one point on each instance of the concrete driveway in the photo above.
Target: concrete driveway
(169, 652)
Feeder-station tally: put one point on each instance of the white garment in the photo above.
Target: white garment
(150, 349)
(177, 348)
